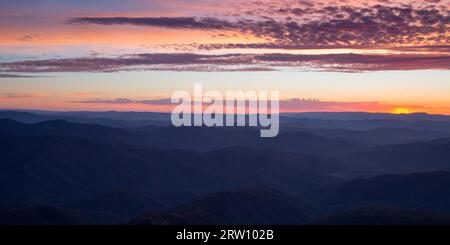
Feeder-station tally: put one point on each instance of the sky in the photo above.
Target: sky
(346, 55)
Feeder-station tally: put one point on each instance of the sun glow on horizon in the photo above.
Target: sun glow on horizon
(401, 110)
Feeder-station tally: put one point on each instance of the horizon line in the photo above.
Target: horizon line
(159, 112)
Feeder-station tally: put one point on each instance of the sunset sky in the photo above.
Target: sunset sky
(374, 56)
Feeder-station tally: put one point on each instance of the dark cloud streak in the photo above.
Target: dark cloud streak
(3, 75)
(233, 62)
(206, 23)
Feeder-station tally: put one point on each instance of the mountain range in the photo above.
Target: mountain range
(321, 169)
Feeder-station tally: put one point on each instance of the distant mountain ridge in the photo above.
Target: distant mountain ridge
(64, 128)
(199, 139)
(419, 116)
(381, 135)
(404, 158)
(136, 115)
(322, 120)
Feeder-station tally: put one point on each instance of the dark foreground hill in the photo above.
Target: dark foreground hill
(243, 206)
(426, 192)
(51, 215)
(420, 198)
(384, 216)
(122, 203)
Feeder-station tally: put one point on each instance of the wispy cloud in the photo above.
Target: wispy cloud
(15, 96)
(164, 101)
(28, 37)
(83, 94)
(286, 105)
